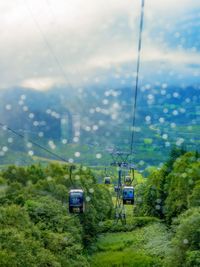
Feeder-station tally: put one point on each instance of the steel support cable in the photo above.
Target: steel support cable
(48, 45)
(137, 75)
(51, 50)
(33, 142)
(41, 147)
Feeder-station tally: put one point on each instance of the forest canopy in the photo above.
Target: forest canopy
(36, 228)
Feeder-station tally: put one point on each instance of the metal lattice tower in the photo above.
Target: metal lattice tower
(120, 161)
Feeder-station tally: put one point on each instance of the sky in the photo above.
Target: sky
(48, 43)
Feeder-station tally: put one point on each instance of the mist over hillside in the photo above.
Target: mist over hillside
(100, 119)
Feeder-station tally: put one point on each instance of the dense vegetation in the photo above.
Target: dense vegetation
(172, 195)
(37, 230)
(172, 189)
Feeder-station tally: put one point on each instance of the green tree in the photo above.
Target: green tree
(186, 240)
(180, 183)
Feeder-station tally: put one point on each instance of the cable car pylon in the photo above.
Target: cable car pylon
(120, 212)
(120, 161)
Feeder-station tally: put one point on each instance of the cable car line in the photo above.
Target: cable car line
(76, 196)
(137, 75)
(75, 201)
(48, 45)
(33, 142)
(125, 193)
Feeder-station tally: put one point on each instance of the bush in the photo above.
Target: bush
(193, 258)
(120, 259)
(36, 227)
(186, 239)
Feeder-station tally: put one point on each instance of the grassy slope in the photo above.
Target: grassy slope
(142, 247)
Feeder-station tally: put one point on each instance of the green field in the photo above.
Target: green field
(141, 247)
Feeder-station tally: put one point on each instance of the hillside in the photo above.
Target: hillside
(92, 123)
(162, 228)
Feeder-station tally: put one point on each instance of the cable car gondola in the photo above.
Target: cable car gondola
(76, 201)
(128, 195)
(107, 180)
(117, 188)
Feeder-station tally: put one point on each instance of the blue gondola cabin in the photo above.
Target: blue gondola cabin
(117, 189)
(128, 195)
(76, 201)
(107, 180)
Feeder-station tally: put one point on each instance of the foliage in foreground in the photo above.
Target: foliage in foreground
(37, 230)
(186, 241)
(173, 195)
(127, 258)
(171, 190)
(141, 247)
(35, 226)
(156, 244)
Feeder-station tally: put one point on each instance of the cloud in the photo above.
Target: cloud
(41, 84)
(48, 42)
